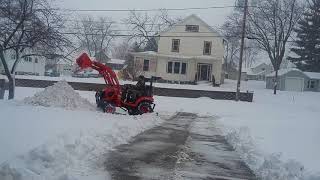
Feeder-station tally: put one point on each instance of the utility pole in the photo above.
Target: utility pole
(242, 48)
(225, 42)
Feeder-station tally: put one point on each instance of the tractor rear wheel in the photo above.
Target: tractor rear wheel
(145, 107)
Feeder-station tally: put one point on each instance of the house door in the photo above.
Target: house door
(204, 72)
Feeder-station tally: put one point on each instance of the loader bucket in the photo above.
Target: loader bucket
(84, 61)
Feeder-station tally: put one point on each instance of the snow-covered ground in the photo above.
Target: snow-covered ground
(55, 143)
(276, 134)
(285, 125)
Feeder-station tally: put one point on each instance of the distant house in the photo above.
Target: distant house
(258, 72)
(188, 52)
(294, 80)
(116, 64)
(64, 68)
(30, 65)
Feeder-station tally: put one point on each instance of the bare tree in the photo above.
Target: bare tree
(145, 27)
(231, 30)
(250, 54)
(95, 35)
(271, 23)
(122, 50)
(28, 28)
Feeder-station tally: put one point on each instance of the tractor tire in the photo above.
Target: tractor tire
(133, 112)
(144, 107)
(108, 108)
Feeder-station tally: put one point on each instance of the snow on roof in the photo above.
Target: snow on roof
(250, 72)
(64, 62)
(313, 75)
(4, 77)
(246, 70)
(146, 53)
(256, 74)
(116, 61)
(282, 72)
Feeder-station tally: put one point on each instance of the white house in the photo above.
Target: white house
(31, 65)
(258, 72)
(189, 51)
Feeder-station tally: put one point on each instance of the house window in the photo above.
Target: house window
(28, 59)
(175, 45)
(192, 28)
(146, 65)
(36, 60)
(207, 48)
(177, 68)
(311, 84)
(183, 68)
(169, 70)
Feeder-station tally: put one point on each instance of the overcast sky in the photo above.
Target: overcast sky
(214, 17)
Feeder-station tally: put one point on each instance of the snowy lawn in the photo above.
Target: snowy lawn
(288, 123)
(58, 144)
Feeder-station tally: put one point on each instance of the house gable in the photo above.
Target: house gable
(191, 43)
(190, 20)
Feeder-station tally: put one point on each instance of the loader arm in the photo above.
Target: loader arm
(108, 74)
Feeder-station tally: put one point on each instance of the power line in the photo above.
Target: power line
(160, 36)
(147, 10)
(130, 35)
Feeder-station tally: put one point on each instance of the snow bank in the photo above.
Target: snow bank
(266, 166)
(61, 94)
(58, 144)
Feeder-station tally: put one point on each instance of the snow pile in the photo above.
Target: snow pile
(61, 94)
(57, 144)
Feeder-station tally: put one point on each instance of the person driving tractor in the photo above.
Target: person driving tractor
(141, 84)
(138, 90)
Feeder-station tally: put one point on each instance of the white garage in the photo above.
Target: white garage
(294, 80)
(294, 84)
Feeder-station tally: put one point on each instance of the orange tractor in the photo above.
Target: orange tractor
(128, 97)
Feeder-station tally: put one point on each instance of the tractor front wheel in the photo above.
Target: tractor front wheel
(145, 107)
(99, 98)
(108, 108)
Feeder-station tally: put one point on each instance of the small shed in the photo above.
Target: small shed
(294, 80)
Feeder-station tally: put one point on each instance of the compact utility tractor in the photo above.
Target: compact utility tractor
(128, 97)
